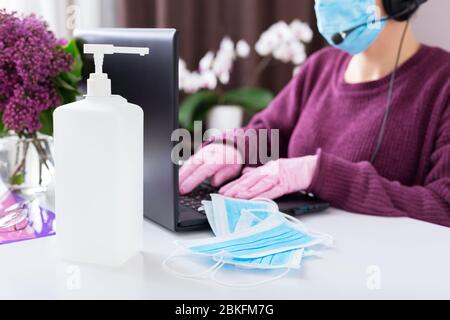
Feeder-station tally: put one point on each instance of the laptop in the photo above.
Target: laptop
(153, 85)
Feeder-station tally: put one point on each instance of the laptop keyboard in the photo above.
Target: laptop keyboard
(195, 198)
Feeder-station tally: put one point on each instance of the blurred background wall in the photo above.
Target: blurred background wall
(203, 23)
(432, 23)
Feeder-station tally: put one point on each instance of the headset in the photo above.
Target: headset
(398, 10)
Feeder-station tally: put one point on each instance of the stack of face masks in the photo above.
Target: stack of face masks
(251, 234)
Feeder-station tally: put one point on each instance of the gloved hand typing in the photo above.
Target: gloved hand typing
(273, 180)
(222, 162)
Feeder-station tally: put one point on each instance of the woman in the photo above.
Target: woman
(365, 126)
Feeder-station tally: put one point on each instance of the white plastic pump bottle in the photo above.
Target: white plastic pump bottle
(99, 171)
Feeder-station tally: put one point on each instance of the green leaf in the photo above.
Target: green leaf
(195, 106)
(2, 126)
(71, 78)
(46, 118)
(68, 96)
(63, 84)
(72, 48)
(3, 130)
(251, 99)
(17, 180)
(67, 82)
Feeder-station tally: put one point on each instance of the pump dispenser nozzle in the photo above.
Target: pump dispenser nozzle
(98, 83)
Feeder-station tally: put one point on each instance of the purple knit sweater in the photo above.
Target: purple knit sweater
(318, 110)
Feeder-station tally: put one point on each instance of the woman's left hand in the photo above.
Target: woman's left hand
(273, 180)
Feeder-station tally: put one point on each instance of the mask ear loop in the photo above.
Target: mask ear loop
(165, 265)
(246, 285)
(327, 239)
(276, 210)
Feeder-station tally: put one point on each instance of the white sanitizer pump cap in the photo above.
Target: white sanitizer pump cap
(98, 83)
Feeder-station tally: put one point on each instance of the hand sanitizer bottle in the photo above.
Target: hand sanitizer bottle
(99, 171)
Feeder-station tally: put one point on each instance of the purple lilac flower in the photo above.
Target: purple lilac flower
(30, 58)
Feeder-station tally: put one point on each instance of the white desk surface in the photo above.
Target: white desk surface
(406, 258)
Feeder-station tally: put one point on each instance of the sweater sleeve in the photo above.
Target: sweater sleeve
(357, 187)
(282, 114)
(277, 120)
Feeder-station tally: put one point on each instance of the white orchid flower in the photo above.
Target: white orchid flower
(298, 52)
(182, 65)
(193, 83)
(227, 45)
(183, 73)
(267, 43)
(282, 30)
(215, 68)
(224, 78)
(209, 80)
(223, 63)
(285, 42)
(206, 62)
(283, 53)
(242, 49)
(302, 31)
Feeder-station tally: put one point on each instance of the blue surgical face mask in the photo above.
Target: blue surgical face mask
(284, 261)
(335, 16)
(289, 259)
(251, 234)
(225, 213)
(273, 235)
(248, 219)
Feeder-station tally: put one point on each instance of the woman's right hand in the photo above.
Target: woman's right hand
(220, 162)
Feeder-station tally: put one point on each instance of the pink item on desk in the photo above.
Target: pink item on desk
(23, 220)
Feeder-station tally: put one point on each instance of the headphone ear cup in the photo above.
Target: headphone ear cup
(395, 7)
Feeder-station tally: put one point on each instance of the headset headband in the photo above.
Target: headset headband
(395, 7)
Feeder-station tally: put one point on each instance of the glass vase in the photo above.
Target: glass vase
(26, 164)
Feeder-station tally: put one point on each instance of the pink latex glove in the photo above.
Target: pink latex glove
(273, 180)
(222, 162)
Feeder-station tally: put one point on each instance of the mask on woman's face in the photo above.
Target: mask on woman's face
(334, 16)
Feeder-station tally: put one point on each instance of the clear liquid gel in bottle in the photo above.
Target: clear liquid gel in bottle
(99, 171)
